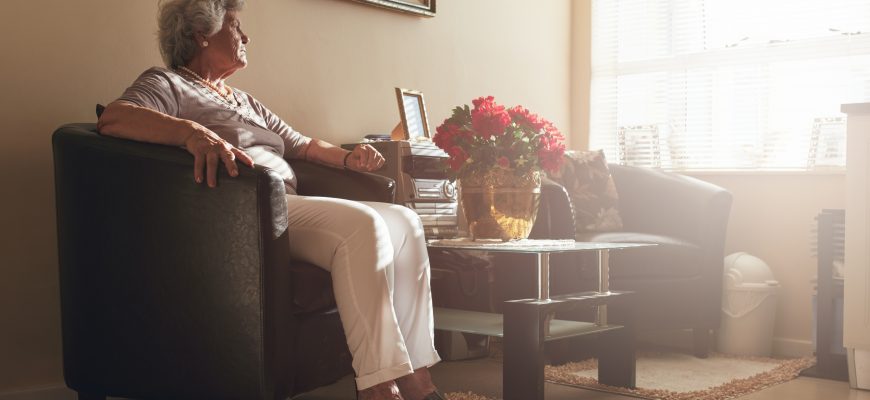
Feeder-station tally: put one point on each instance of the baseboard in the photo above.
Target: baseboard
(786, 347)
(54, 392)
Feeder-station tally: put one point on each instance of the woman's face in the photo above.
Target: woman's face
(226, 48)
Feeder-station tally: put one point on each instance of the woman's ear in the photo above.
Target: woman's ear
(201, 40)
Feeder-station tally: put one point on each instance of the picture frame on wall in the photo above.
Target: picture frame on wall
(425, 8)
(412, 109)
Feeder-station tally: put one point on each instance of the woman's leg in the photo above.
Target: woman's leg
(352, 242)
(412, 295)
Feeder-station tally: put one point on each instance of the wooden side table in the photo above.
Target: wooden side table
(527, 324)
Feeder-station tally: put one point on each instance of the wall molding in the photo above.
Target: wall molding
(788, 347)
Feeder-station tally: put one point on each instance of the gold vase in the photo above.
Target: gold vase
(499, 204)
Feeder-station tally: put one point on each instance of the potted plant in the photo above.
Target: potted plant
(497, 154)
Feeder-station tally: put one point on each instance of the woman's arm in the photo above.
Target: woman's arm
(129, 121)
(362, 158)
(126, 120)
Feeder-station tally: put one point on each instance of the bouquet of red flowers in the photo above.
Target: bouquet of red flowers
(489, 136)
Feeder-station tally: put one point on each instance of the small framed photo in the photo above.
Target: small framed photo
(425, 8)
(412, 109)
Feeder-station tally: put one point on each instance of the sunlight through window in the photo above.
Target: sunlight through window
(727, 84)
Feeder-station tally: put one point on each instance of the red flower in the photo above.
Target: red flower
(551, 159)
(489, 136)
(488, 118)
(525, 119)
(448, 135)
(551, 152)
(458, 156)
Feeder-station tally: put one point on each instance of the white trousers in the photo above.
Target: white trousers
(376, 253)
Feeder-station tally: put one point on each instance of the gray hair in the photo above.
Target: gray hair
(178, 21)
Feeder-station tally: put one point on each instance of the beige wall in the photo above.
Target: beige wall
(581, 72)
(340, 85)
(327, 66)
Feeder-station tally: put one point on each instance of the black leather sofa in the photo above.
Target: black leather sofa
(172, 290)
(678, 283)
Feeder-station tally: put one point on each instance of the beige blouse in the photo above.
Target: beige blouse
(248, 125)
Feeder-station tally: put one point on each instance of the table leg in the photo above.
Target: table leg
(523, 367)
(603, 284)
(544, 276)
(616, 358)
(544, 286)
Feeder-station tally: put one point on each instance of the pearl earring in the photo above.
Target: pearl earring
(205, 43)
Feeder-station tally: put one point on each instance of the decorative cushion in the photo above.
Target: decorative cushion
(593, 194)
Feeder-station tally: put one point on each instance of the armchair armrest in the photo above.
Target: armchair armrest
(320, 180)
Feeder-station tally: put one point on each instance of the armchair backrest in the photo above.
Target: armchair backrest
(661, 202)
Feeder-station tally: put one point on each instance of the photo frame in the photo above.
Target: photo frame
(412, 109)
(425, 8)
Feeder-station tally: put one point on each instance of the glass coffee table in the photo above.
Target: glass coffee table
(527, 324)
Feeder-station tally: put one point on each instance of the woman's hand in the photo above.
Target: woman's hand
(130, 121)
(364, 158)
(208, 149)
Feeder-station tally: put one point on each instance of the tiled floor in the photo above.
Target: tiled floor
(484, 377)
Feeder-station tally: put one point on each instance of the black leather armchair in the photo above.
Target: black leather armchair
(172, 290)
(678, 283)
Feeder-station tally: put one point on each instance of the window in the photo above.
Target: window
(727, 84)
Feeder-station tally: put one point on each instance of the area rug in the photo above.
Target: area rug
(465, 396)
(678, 376)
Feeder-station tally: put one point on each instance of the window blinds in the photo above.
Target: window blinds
(727, 84)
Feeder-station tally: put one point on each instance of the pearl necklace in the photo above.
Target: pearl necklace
(228, 96)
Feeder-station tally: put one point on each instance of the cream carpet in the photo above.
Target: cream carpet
(677, 376)
(465, 396)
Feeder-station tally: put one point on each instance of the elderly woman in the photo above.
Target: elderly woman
(383, 296)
